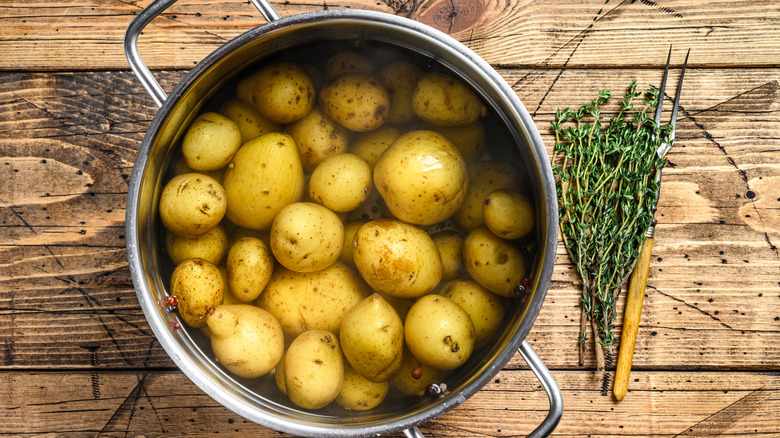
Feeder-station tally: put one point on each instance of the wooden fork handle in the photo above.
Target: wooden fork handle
(633, 312)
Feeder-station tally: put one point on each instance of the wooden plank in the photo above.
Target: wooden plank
(88, 35)
(159, 402)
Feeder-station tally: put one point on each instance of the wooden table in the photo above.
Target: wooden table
(77, 357)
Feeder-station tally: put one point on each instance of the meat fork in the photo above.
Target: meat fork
(638, 282)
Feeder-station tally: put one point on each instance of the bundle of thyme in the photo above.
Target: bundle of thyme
(606, 191)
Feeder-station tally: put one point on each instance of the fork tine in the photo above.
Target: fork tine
(677, 96)
(661, 90)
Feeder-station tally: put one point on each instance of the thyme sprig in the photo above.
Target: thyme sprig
(606, 196)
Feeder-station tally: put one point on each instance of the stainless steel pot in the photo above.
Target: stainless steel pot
(255, 400)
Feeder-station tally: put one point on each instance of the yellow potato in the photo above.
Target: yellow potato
(485, 177)
(264, 177)
(397, 258)
(250, 122)
(422, 177)
(313, 300)
(239, 233)
(279, 375)
(245, 339)
(341, 182)
(469, 139)
(349, 233)
(346, 62)
(210, 142)
(198, 285)
(509, 214)
(370, 145)
(306, 237)
(314, 369)
(450, 246)
(357, 101)
(181, 167)
(439, 333)
(444, 100)
(318, 137)
(400, 79)
(413, 376)
(372, 338)
(493, 262)
(211, 246)
(360, 394)
(485, 308)
(191, 204)
(249, 267)
(281, 92)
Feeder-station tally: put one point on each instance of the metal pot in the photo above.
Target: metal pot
(255, 400)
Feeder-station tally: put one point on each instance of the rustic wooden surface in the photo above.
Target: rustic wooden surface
(78, 359)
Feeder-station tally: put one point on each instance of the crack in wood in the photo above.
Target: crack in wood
(723, 419)
(703, 312)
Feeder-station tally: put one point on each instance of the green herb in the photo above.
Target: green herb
(606, 192)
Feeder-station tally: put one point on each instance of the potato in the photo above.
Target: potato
(360, 394)
(313, 300)
(400, 79)
(372, 338)
(211, 246)
(485, 308)
(198, 285)
(239, 233)
(450, 246)
(357, 101)
(281, 92)
(313, 369)
(245, 339)
(401, 305)
(251, 124)
(210, 142)
(249, 267)
(346, 62)
(318, 137)
(373, 208)
(306, 237)
(493, 262)
(509, 214)
(469, 139)
(181, 167)
(413, 376)
(397, 258)
(264, 176)
(439, 333)
(349, 233)
(485, 177)
(370, 145)
(279, 375)
(443, 100)
(191, 204)
(341, 182)
(422, 177)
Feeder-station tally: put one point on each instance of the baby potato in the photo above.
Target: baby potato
(469, 139)
(422, 177)
(370, 145)
(341, 182)
(250, 122)
(450, 246)
(318, 137)
(312, 300)
(198, 285)
(493, 262)
(509, 214)
(485, 308)
(443, 100)
(346, 62)
(239, 233)
(281, 92)
(249, 267)
(397, 258)
(306, 237)
(210, 142)
(245, 339)
(191, 204)
(357, 101)
(400, 79)
(264, 176)
(349, 233)
(485, 177)
(372, 338)
(413, 376)
(313, 369)
(211, 245)
(439, 333)
(181, 167)
(360, 394)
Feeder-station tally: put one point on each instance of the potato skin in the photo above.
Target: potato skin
(450, 246)
(350, 229)
(396, 258)
(210, 142)
(318, 137)
(400, 79)
(211, 246)
(485, 177)
(370, 145)
(357, 101)
(264, 176)
(439, 333)
(493, 262)
(198, 285)
(360, 394)
(250, 122)
(405, 382)
(470, 139)
(281, 92)
(313, 369)
(249, 267)
(372, 338)
(509, 214)
(422, 177)
(485, 308)
(191, 204)
(346, 62)
(341, 182)
(443, 100)
(306, 237)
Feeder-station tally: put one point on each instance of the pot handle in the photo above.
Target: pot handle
(140, 22)
(548, 383)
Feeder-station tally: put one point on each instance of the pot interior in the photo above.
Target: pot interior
(512, 137)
